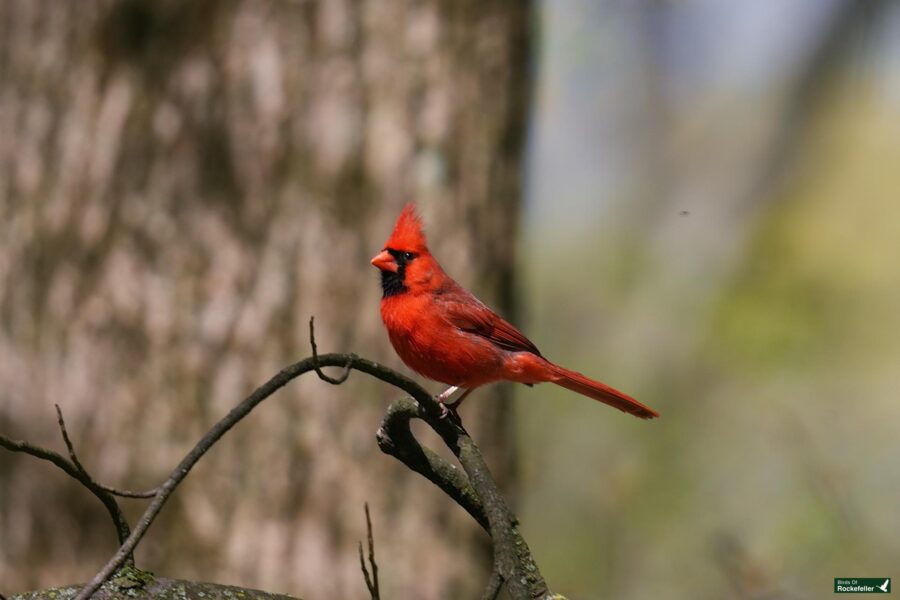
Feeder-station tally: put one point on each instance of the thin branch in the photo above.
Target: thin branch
(365, 572)
(2, 597)
(372, 553)
(70, 468)
(128, 493)
(65, 435)
(315, 356)
(475, 490)
(74, 458)
(371, 582)
(164, 491)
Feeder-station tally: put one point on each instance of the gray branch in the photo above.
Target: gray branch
(492, 590)
(74, 469)
(396, 439)
(371, 582)
(473, 488)
(77, 463)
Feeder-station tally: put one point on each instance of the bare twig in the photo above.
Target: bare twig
(371, 582)
(74, 458)
(475, 490)
(65, 434)
(128, 493)
(164, 491)
(77, 472)
(315, 356)
(374, 566)
(365, 572)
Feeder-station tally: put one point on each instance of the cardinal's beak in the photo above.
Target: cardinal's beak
(385, 262)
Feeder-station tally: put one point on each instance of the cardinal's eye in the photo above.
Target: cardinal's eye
(408, 256)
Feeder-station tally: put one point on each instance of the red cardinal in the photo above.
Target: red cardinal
(445, 333)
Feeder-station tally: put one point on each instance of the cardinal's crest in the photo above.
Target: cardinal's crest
(408, 233)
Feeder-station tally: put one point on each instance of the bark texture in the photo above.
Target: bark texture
(181, 185)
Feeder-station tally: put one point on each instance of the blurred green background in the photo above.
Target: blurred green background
(713, 224)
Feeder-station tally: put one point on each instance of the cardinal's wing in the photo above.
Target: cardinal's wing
(467, 313)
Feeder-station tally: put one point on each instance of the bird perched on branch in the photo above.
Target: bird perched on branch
(443, 332)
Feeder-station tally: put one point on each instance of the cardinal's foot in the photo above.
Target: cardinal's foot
(445, 410)
(440, 398)
(450, 407)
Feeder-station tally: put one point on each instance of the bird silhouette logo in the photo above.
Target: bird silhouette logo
(885, 587)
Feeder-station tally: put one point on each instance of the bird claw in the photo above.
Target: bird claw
(439, 398)
(450, 407)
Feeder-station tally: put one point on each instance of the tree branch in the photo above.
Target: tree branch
(474, 489)
(315, 356)
(492, 590)
(74, 458)
(74, 469)
(164, 491)
(371, 582)
(396, 439)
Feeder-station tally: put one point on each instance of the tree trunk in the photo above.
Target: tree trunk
(182, 184)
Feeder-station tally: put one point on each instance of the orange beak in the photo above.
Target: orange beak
(385, 262)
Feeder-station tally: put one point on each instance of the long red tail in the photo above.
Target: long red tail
(602, 392)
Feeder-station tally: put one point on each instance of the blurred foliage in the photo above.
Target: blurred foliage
(754, 304)
(824, 263)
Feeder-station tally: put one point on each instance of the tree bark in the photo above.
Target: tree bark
(182, 184)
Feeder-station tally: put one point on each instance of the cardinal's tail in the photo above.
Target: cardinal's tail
(602, 392)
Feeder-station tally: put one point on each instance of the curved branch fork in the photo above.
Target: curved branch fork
(74, 469)
(474, 489)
